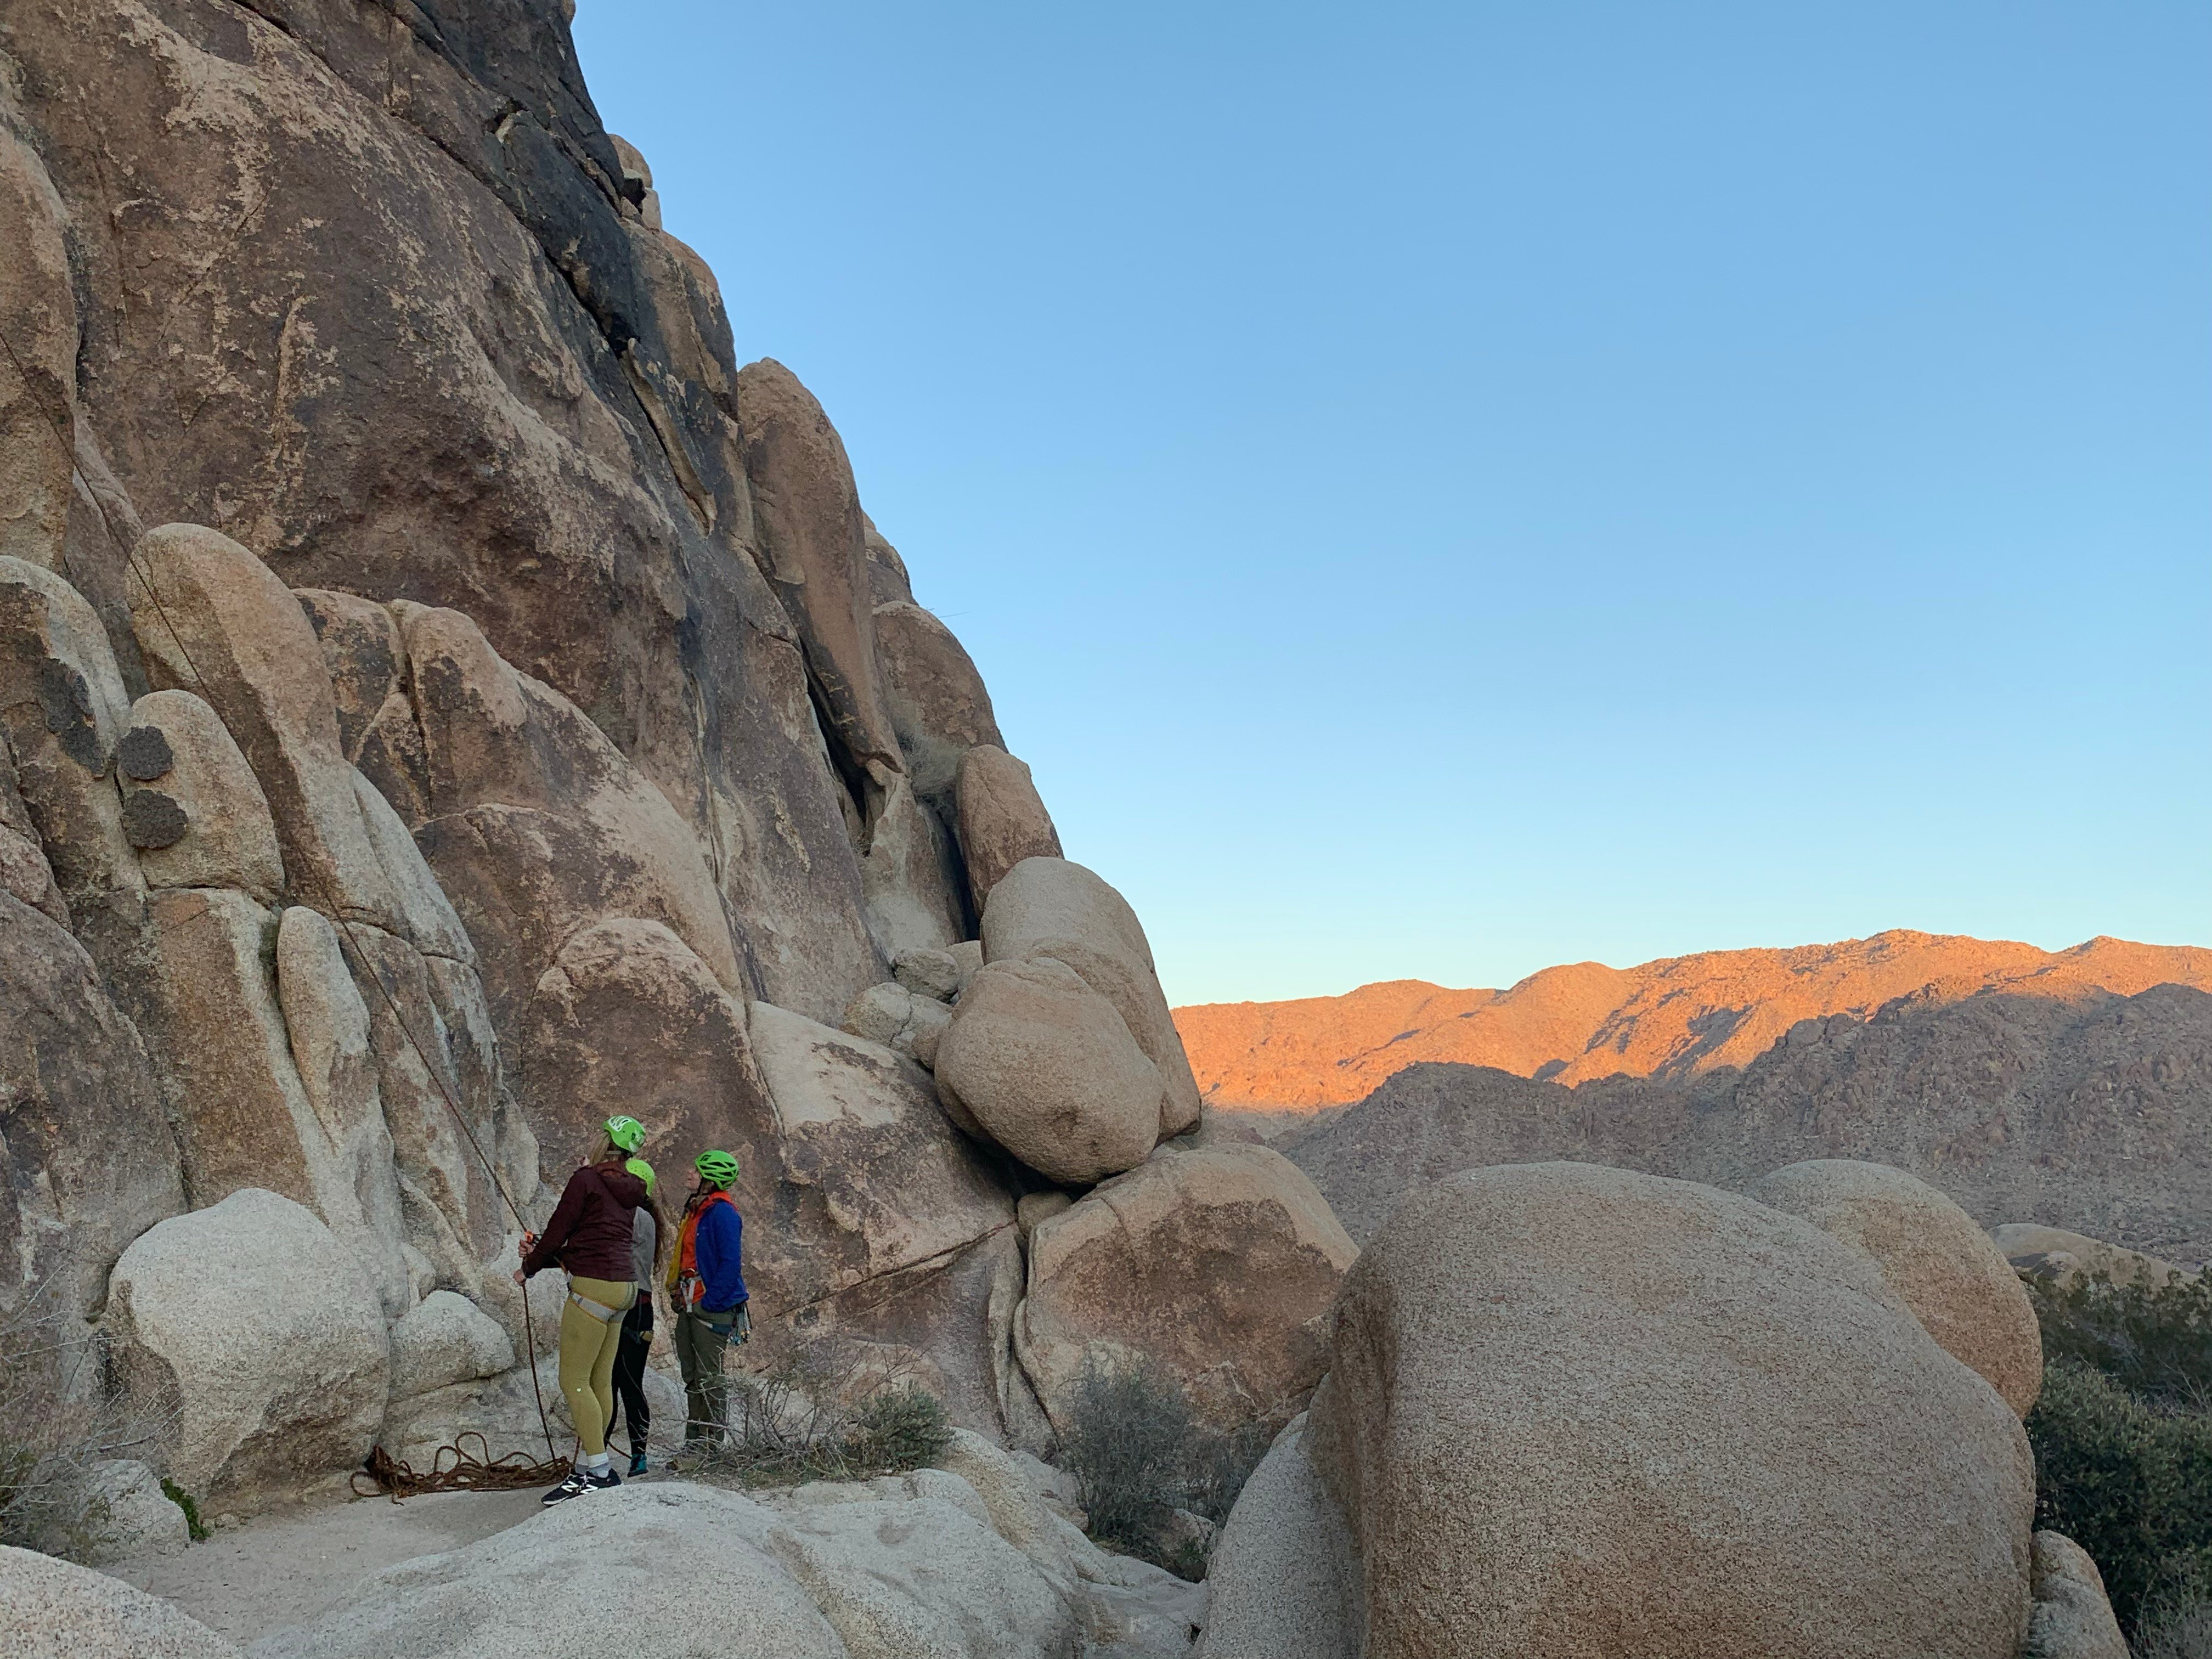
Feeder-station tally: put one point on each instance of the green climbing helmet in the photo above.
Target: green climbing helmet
(720, 1168)
(643, 1171)
(625, 1133)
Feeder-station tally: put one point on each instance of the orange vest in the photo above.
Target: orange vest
(683, 1269)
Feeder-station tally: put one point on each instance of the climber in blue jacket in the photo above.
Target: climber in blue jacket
(706, 1283)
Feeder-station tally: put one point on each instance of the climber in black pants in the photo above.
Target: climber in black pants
(629, 1378)
(636, 1340)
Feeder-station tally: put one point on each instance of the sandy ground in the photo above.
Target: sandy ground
(283, 1569)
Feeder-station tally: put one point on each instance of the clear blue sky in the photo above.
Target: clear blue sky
(1437, 490)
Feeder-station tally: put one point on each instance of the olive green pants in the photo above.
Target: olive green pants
(588, 1345)
(700, 1339)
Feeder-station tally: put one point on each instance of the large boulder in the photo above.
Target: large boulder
(1046, 907)
(895, 1567)
(1283, 1579)
(670, 1568)
(901, 1575)
(1043, 1064)
(1218, 1265)
(85, 1142)
(253, 1335)
(53, 1610)
(1932, 1255)
(1574, 1409)
(215, 621)
(446, 1339)
(2072, 1619)
(883, 1225)
(2064, 1257)
(938, 701)
(1002, 817)
(260, 1105)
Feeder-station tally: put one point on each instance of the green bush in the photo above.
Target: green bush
(1140, 1456)
(898, 1430)
(2130, 1479)
(176, 1494)
(2155, 1342)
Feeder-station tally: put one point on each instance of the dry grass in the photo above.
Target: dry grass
(1140, 1456)
(827, 1410)
(58, 1424)
(2183, 1631)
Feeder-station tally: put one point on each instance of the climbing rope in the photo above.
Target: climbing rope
(505, 1469)
(455, 1468)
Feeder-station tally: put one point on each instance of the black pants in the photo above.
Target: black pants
(629, 1372)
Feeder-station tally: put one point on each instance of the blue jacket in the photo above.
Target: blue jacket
(717, 1250)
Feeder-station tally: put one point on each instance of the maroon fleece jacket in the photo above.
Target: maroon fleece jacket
(589, 1235)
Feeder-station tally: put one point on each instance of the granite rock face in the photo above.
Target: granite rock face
(446, 698)
(1218, 1265)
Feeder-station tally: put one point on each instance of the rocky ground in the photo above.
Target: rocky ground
(261, 1576)
(969, 1559)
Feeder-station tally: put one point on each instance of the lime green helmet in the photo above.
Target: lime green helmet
(718, 1167)
(643, 1171)
(625, 1133)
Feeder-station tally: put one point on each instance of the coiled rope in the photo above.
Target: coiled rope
(454, 1467)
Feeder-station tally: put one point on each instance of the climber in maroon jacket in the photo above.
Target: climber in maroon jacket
(590, 1236)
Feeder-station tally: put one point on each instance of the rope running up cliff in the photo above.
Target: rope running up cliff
(504, 1470)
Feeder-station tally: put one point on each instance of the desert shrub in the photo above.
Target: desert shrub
(2155, 1342)
(897, 1430)
(1140, 1456)
(2177, 1629)
(829, 1411)
(2130, 1479)
(57, 1427)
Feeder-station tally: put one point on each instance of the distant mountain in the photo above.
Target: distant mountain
(1673, 1018)
(2085, 1110)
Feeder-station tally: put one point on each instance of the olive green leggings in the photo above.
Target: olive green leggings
(587, 1355)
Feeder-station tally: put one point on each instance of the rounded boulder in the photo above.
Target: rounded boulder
(1218, 1265)
(51, 1610)
(254, 1335)
(1576, 1410)
(1046, 1067)
(1956, 1282)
